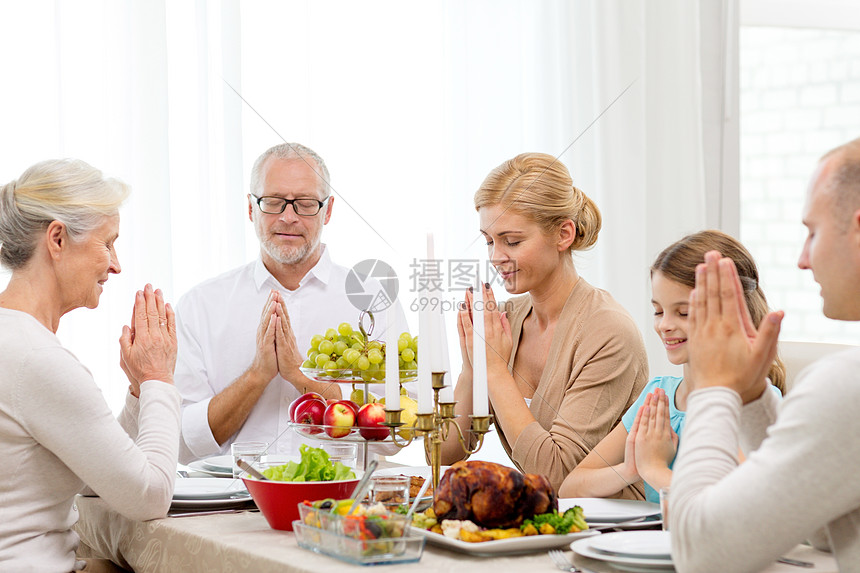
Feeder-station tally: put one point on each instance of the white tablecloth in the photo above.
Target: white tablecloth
(239, 542)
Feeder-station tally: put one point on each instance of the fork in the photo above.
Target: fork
(562, 562)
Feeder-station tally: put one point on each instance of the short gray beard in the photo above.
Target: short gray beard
(290, 256)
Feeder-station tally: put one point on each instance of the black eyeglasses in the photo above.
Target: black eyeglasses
(276, 205)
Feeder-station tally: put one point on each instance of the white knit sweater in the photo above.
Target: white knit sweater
(801, 482)
(58, 435)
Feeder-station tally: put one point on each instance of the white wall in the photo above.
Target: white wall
(800, 96)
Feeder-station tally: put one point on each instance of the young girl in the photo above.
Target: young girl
(644, 445)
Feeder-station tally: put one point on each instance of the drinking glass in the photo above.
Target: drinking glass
(664, 507)
(341, 452)
(391, 491)
(250, 452)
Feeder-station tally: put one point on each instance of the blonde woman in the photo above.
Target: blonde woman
(565, 360)
(58, 225)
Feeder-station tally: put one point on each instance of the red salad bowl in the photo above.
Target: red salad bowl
(279, 500)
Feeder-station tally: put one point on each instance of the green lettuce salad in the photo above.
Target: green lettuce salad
(314, 466)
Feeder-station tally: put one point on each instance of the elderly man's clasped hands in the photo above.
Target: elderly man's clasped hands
(277, 352)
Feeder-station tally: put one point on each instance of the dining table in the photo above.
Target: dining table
(242, 541)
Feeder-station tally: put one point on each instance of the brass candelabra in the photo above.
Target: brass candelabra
(435, 426)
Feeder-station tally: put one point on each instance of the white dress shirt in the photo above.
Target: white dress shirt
(217, 327)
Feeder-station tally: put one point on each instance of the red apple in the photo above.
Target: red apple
(371, 422)
(311, 411)
(299, 400)
(339, 419)
(352, 405)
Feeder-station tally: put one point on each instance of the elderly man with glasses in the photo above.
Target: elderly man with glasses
(242, 335)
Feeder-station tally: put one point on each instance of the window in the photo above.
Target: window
(799, 97)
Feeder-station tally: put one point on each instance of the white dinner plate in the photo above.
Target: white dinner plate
(420, 471)
(199, 467)
(624, 563)
(648, 544)
(222, 464)
(606, 511)
(201, 504)
(514, 545)
(207, 488)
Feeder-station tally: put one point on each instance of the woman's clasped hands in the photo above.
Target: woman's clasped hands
(497, 331)
(148, 345)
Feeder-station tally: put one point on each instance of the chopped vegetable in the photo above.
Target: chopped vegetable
(571, 521)
(314, 466)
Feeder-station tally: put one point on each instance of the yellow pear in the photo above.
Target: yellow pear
(407, 416)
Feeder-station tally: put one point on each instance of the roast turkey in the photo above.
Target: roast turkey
(492, 495)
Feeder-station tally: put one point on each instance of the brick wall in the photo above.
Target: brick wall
(800, 96)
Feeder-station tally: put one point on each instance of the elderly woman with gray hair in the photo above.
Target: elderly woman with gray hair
(58, 225)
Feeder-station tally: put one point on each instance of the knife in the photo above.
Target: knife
(251, 470)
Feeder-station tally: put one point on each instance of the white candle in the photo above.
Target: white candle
(425, 385)
(447, 393)
(425, 341)
(392, 361)
(480, 403)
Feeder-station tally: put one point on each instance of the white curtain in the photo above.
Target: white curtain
(135, 89)
(411, 104)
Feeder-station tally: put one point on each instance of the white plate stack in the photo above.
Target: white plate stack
(641, 551)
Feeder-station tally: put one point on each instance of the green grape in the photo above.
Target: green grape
(357, 336)
(358, 346)
(363, 363)
(406, 336)
(331, 365)
(407, 355)
(312, 353)
(326, 347)
(351, 355)
(374, 344)
(342, 363)
(412, 365)
(340, 348)
(308, 364)
(366, 375)
(402, 345)
(374, 355)
(315, 341)
(344, 328)
(413, 345)
(331, 334)
(321, 359)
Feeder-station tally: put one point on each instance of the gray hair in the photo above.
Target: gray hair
(290, 151)
(66, 190)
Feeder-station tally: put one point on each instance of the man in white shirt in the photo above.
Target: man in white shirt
(799, 481)
(238, 365)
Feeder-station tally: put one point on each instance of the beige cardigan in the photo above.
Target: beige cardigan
(595, 370)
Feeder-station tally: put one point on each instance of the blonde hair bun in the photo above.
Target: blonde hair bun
(539, 187)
